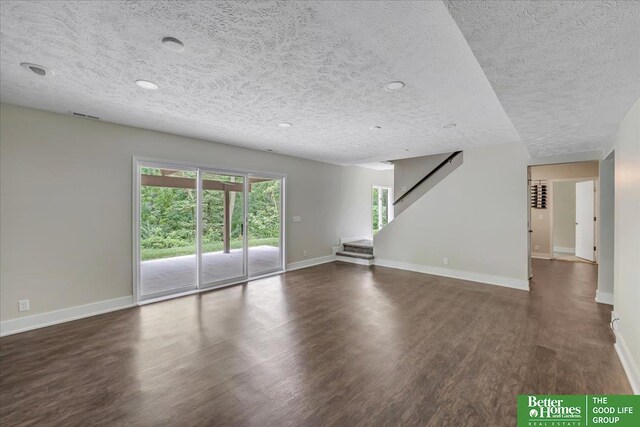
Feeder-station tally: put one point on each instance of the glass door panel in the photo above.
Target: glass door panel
(168, 206)
(223, 223)
(265, 225)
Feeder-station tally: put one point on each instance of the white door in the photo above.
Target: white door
(584, 220)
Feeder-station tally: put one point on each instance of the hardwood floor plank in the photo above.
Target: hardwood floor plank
(337, 344)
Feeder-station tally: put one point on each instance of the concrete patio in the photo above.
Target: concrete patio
(165, 274)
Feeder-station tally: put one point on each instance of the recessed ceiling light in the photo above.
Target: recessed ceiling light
(449, 125)
(394, 85)
(271, 150)
(144, 84)
(285, 125)
(37, 69)
(375, 127)
(406, 149)
(173, 44)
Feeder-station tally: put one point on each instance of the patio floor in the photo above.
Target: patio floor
(164, 274)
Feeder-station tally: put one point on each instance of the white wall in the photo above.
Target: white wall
(66, 193)
(627, 237)
(607, 230)
(477, 217)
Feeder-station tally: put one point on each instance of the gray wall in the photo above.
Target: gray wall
(407, 172)
(606, 216)
(564, 215)
(627, 235)
(66, 204)
(476, 217)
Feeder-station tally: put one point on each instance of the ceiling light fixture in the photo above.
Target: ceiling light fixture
(173, 44)
(145, 84)
(449, 125)
(37, 69)
(375, 127)
(394, 85)
(285, 125)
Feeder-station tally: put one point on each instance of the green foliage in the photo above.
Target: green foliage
(264, 210)
(374, 209)
(168, 215)
(152, 253)
(375, 193)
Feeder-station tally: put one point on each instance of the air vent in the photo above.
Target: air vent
(85, 116)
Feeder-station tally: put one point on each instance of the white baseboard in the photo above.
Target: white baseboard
(540, 256)
(353, 260)
(23, 324)
(507, 282)
(310, 262)
(604, 297)
(564, 250)
(630, 368)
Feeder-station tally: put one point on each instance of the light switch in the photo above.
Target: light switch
(297, 219)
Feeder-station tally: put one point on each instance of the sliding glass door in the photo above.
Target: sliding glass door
(265, 225)
(200, 228)
(223, 226)
(168, 230)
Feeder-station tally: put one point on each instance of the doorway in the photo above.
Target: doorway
(573, 219)
(199, 228)
(381, 207)
(562, 212)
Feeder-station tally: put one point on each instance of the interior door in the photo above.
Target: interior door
(585, 220)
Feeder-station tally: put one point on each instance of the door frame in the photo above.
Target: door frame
(136, 163)
(245, 248)
(282, 266)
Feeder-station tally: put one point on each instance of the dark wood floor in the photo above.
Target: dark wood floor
(336, 344)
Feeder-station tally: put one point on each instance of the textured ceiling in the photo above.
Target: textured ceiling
(566, 72)
(249, 65)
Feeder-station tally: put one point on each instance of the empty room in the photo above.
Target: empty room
(310, 213)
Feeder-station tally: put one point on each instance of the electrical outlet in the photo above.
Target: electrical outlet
(540, 217)
(445, 261)
(304, 253)
(536, 247)
(403, 189)
(23, 305)
(297, 219)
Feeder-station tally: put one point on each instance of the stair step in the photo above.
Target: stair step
(361, 243)
(355, 254)
(360, 246)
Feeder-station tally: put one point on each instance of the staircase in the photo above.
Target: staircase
(358, 252)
